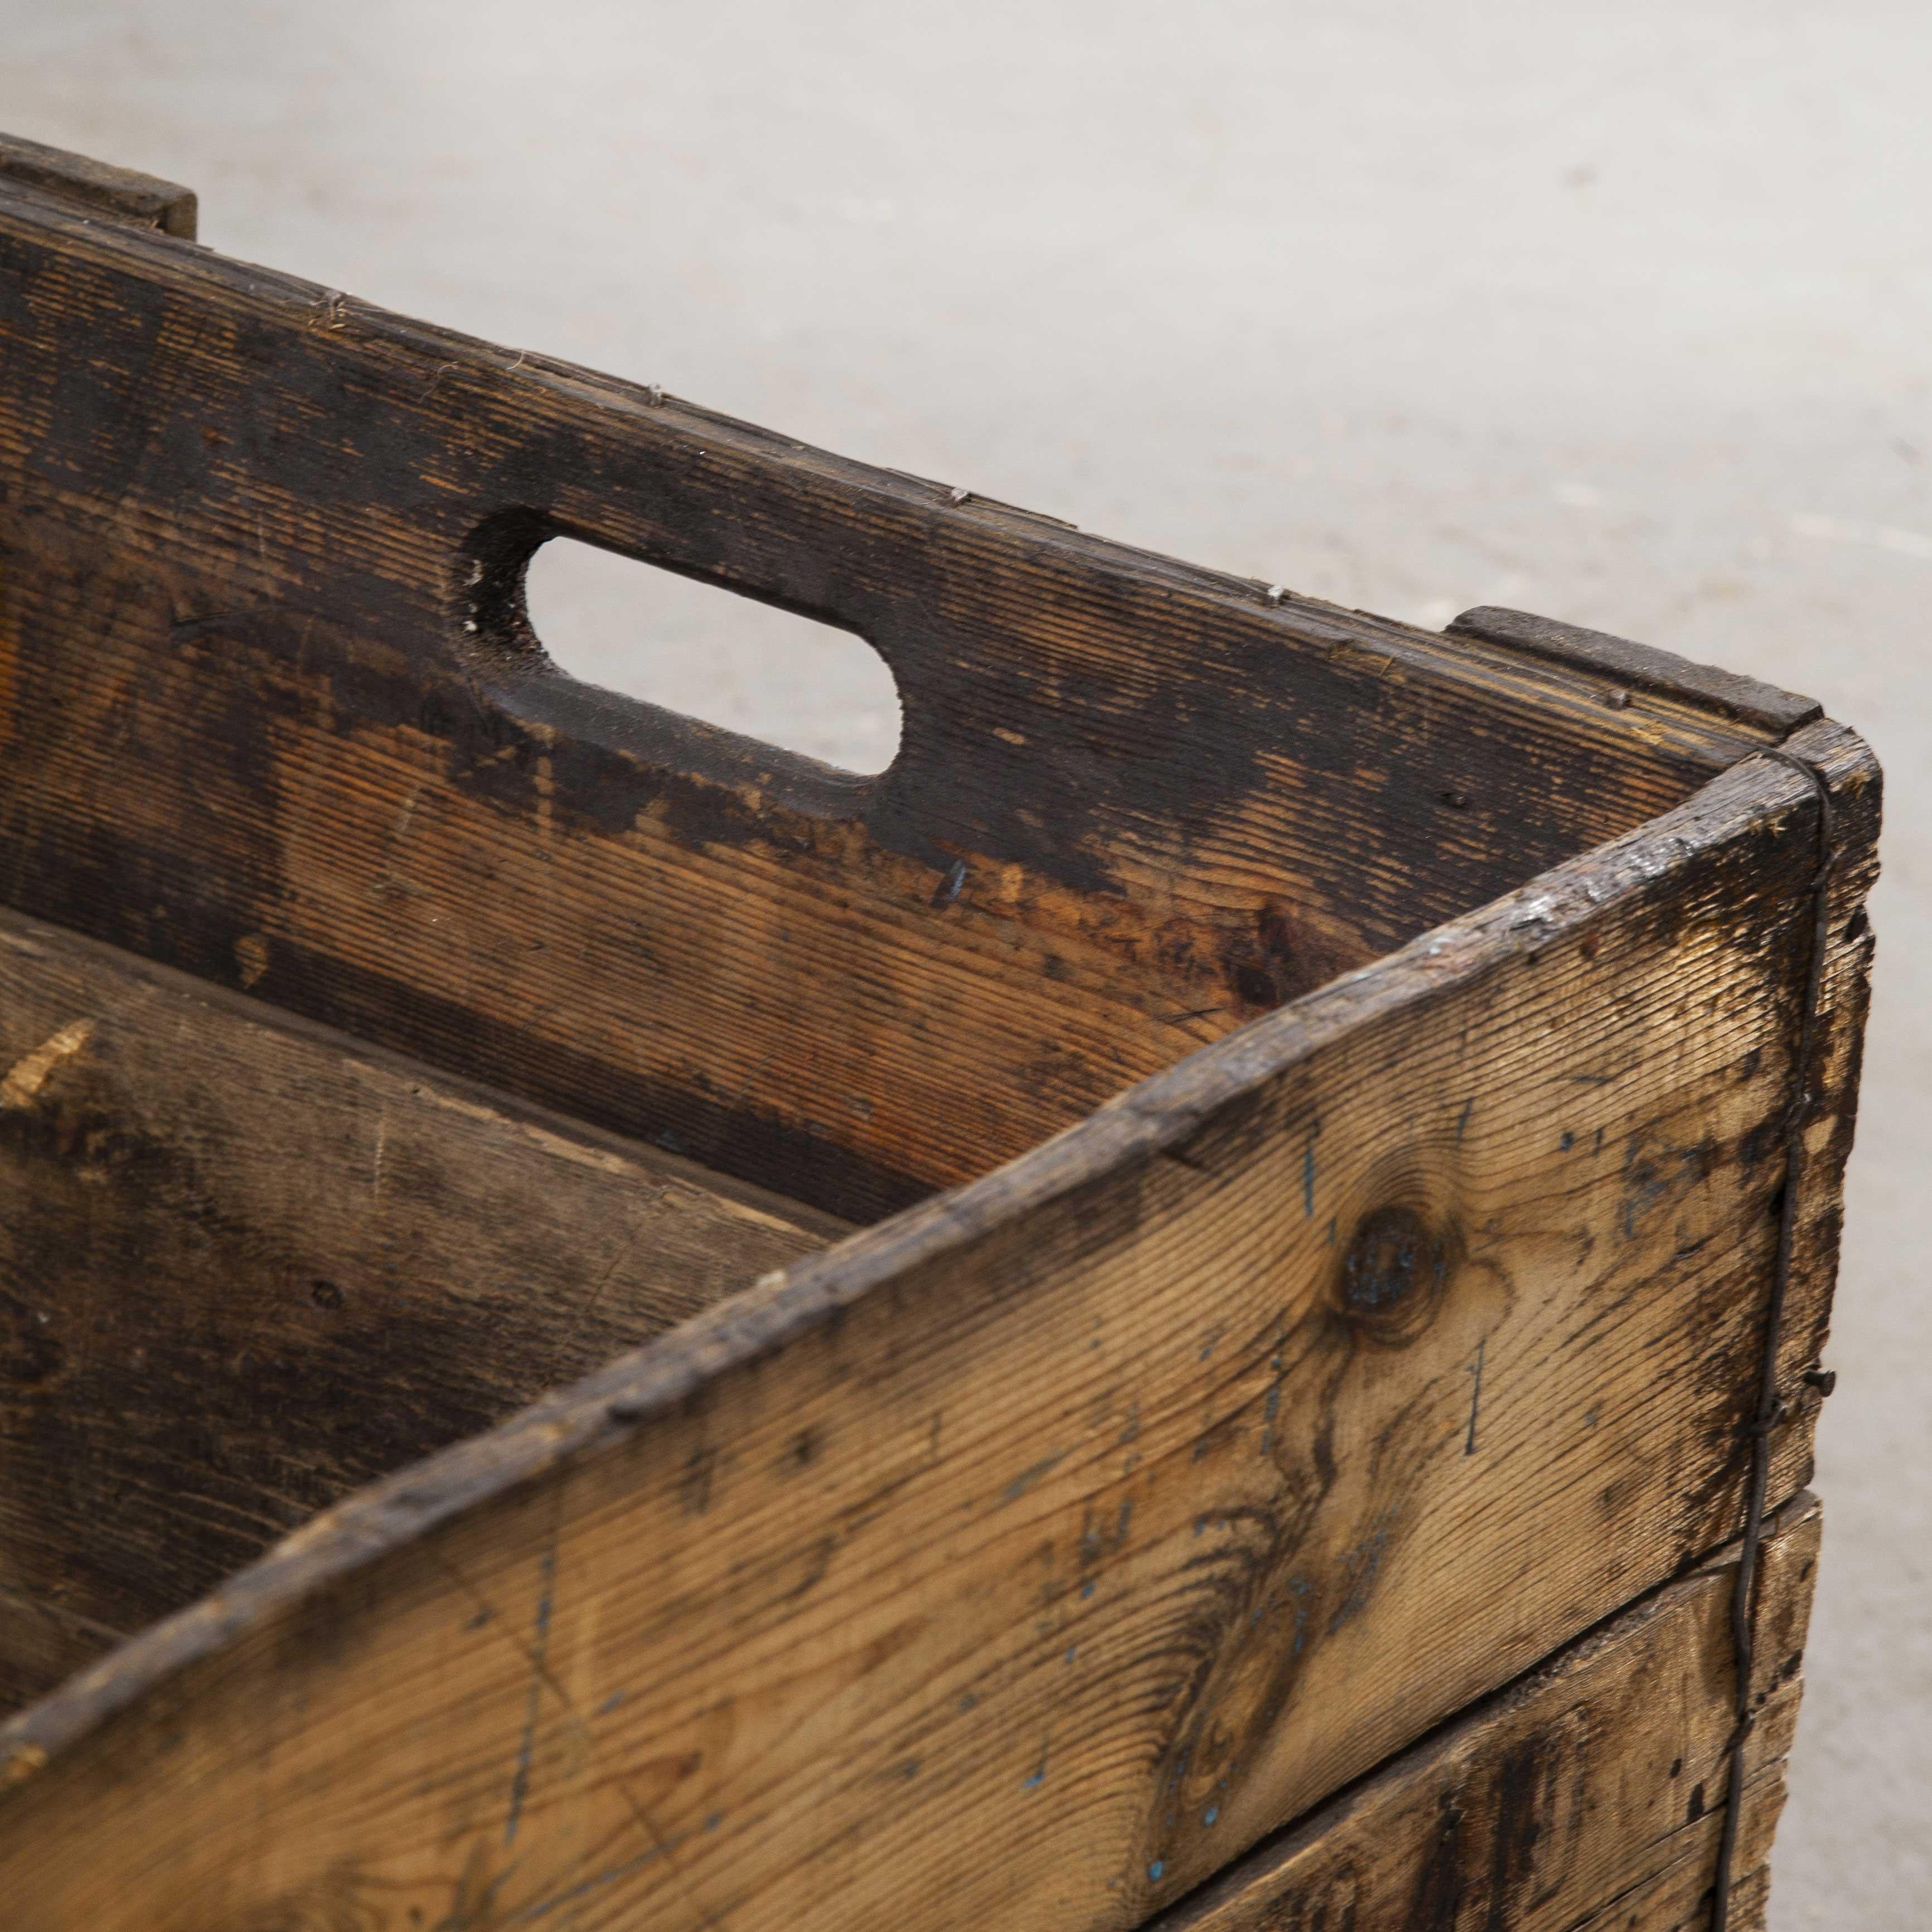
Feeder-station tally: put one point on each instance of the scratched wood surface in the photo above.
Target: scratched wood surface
(1587, 1798)
(271, 712)
(1200, 1461)
(247, 1265)
(1248, 1422)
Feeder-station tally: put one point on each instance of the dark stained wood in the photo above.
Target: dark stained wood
(1587, 1797)
(272, 710)
(41, 1643)
(247, 1265)
(1203, 1459)
(122, 194)
(1639, 668)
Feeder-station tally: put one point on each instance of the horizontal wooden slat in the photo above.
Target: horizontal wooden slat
(272, 710)
(1640, 667)
(1203, 1459)
(1587, 1797)
(246, 1265)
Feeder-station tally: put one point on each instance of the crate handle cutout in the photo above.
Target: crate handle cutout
(701, 650)
(688, 669)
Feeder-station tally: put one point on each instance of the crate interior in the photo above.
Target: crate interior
(251, 1262)
(394, 1027)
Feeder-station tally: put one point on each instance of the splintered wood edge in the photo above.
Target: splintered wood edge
(1160, 1114)
(124, 193)
(1681, 712)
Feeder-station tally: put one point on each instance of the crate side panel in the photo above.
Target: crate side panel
(1391, 1346)
(271, 712)
(247, 1266)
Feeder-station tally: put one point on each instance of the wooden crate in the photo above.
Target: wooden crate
(1186, 1237)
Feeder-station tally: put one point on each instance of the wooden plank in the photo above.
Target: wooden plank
(247, 1265)
(120, 194)
(272, 712)
(1589, 1796)
(1640, 667)
(1203, 1459)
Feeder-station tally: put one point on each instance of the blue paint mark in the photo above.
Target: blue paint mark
(1568, 1141)
(1300, 1585)
(711, 1823)
(1126, 1516)
(1155, 1870)
(1071, 1649)
(1212, 1812)
(1308, 1180)
(1025, 1480)
(1038, 1777)
(1086, 1588)
(610, 1703)
(520, 1783)
(1200, 1524)
(543, 1907)
(1274, 1403)
(968, 1701)
(1475, 1371)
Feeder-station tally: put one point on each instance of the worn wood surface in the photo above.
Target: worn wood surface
(99, 188)
(1637, 666)
(1202, 1460)
(1587, 1797)
(271, 712)
(247, 1265)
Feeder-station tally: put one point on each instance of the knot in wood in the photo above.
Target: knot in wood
(1393, 1274)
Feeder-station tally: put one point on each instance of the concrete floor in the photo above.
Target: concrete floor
(1622, 313)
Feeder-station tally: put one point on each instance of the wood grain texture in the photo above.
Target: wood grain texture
(1205, 1458)
(271, 711)
(1640, 667)
(247, 1265)
(1587, 1797)
(121, 194)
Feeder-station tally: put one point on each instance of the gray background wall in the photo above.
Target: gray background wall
(1622, 313)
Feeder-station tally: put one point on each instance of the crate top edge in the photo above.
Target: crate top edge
(122, 194)
(1716, 716)
(1731, 694)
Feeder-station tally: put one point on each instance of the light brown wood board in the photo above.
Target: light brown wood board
(1586, 1798)
(1207, 1455)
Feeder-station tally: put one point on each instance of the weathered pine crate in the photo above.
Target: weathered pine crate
(1157, 1312)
